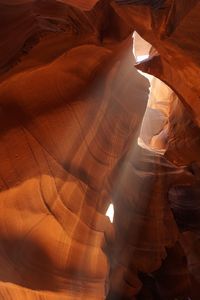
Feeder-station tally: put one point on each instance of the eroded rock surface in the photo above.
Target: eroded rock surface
(71, 108)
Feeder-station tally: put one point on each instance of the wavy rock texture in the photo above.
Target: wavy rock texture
(174, 32)
(71, 107)
(184, 141)
(185, 205)
(55, 26)
(58, 145)
(175, 37)
(191, 244)
(49, 241)
(142, 180)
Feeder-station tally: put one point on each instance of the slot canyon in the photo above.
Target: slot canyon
(99, 149)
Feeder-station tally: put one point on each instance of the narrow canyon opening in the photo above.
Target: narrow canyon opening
(153, 134)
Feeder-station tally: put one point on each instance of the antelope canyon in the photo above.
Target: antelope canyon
(99, 150)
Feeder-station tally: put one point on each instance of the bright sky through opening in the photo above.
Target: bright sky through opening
(110, 212)
(141, 57)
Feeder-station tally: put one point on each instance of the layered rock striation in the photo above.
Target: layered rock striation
(71, 109)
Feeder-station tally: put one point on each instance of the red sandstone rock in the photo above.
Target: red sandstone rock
(71, 107)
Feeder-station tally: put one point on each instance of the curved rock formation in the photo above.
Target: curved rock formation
(57, 134)
(139, 190)
(71, 109)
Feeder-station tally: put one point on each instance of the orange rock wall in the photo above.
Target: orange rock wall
(71, 107)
